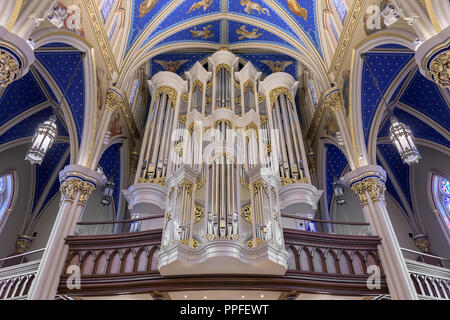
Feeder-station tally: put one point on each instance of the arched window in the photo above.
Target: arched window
(441, 193)
(6, 194)
(341, 9)
(106, 9)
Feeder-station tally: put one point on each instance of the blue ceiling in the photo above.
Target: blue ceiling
(234, 10)
(44, 171)
(20, 96)
(417, 102)
(385, 66)
(33, 95)
(61, 65)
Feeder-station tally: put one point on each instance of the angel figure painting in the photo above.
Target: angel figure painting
(203, 34)
(146, 6)
(171, 66)
(277, 66)
(201, 4)
(297, 9)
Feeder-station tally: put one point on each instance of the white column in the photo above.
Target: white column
(368, 183)
(77, 184)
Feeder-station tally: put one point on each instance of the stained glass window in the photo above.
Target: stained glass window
(313, 91)
(6, 193)
(443, 199)
(341, 9)
(106, 9)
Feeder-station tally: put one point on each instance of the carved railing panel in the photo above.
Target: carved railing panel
(318, 262)
(331, 254)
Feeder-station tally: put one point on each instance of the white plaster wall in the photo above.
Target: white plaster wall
(351, 211)
(400, 223)
(431, 159)
(45, 223)
(14, 159)
(95, 212)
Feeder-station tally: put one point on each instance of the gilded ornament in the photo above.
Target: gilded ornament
(200, 184)
(23, 243)
(228, 122)
(171, 93)
(179, 148)
(72, 186)
(182, 119)
(440, 69)
(187, 185)
(113, 100)
(199, 212)
(246, 213)
(263, 119)
(261, 98)
(247, 84)
(334, 101)
(199, 84)
(223, 66)
(373, 186)
(159, 181)
(275, 93)
(8, 68)
(288, 181)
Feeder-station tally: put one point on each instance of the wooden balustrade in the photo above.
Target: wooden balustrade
(120, 263)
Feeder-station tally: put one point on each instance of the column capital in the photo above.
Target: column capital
(332, 99)
(23, 243)
(367, 182)
(433, 58)
(422, 242)
(114, 99)
(76, 179)
(16, 56)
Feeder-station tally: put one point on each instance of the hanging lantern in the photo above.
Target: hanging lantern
(403, 140)
(107, 193)
(338, 189)
(42, 141)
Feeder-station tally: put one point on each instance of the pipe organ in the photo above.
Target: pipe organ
(218, 149)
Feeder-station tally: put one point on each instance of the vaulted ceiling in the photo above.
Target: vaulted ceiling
(291, 24)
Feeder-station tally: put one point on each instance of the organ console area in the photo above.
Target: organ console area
(222, 159)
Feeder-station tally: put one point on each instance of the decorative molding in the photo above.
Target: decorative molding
(9, 68)
(72, 186)
(440, 69)
(346, 36)
(102, 39)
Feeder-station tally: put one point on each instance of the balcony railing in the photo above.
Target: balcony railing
(430, 274)
(127, 262)
(17, 274)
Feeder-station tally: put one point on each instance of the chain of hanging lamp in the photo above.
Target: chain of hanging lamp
(46, 131)
(338, 188)
(400, 134)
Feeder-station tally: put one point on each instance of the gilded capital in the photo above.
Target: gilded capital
(440, 69)
(72, 186)
(113, 100)
(23, 243)
(370, 188)
(9, 68)
(333, 101)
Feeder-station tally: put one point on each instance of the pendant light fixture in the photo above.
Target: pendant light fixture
(400, 134)
(338, 188)
(46, 132)
(108, 188)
